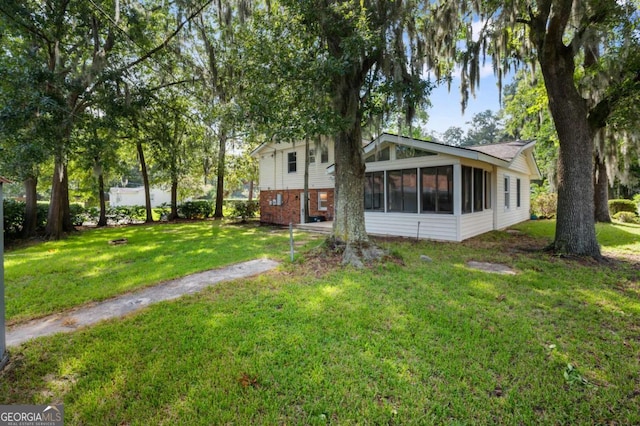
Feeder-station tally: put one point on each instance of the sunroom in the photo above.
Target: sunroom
(423, 189)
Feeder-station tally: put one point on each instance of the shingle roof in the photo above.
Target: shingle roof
(505, 150)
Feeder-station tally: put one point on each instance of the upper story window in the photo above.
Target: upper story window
(378, 155)
(324, 153)
(292, 164)
(312, 155)
(403, 151)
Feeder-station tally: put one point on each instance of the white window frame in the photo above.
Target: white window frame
(324, 153)
(292, 163)
(507, 192)
(518, 193)
(323, 206)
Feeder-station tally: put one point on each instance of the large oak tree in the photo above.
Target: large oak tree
(366, 47)
(553, 35)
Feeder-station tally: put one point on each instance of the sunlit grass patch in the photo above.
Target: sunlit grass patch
(412, 343)
(56, 275)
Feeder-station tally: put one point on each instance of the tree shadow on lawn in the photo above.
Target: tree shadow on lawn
(398, 342)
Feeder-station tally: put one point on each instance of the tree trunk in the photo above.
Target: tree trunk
(348, 225)
(220, 178)
(250, 190)
(575, 225)
(145, 180)
(174, 199)
(306, 182)
(30, 225)
(59, 218)
(102, 220)
(601, 187)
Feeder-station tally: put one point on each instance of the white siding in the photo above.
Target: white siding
(274, 172)
(519, 164)
(447, 227)
(135, 197)
(472, 224)
(514, 214)
(432, 226)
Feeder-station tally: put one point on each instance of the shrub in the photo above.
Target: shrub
(544, 204)
(77, 214)
(42, 211)
(201, 209)
(14, 212)
(13, 217)
(163, 211)
(91, 214)
(126, 214)
(626, 217)
(244, 209)
(622, 205)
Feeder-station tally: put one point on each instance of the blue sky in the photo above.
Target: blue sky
(446, 110)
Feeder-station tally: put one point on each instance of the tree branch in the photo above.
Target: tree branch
(29, 28)
(173, 83)
(167, 40)
(598, 17)
(559, 14)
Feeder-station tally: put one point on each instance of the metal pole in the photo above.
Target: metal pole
(291, 240)
(4, 355)
(418, 233)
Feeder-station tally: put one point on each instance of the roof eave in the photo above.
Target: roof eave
(529, 146)
(438, 148)
(258, 149)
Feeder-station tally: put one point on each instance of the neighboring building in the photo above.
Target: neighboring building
(413, 188)
(135, 196)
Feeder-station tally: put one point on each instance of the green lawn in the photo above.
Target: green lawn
(408, 342)
(57, 275)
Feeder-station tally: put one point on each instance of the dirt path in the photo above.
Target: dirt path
(131, 302)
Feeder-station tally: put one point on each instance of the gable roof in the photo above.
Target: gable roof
(504, 150)
(500, 154)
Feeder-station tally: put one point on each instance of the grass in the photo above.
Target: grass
(408, 342)
(57, 275)
(619, 239)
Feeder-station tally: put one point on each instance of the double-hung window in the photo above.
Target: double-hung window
(323, 201)
(292, 164)
(507, 192)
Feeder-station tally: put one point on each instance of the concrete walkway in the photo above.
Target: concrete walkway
(131, 302)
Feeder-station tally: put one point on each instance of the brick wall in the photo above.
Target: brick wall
(289, 210)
